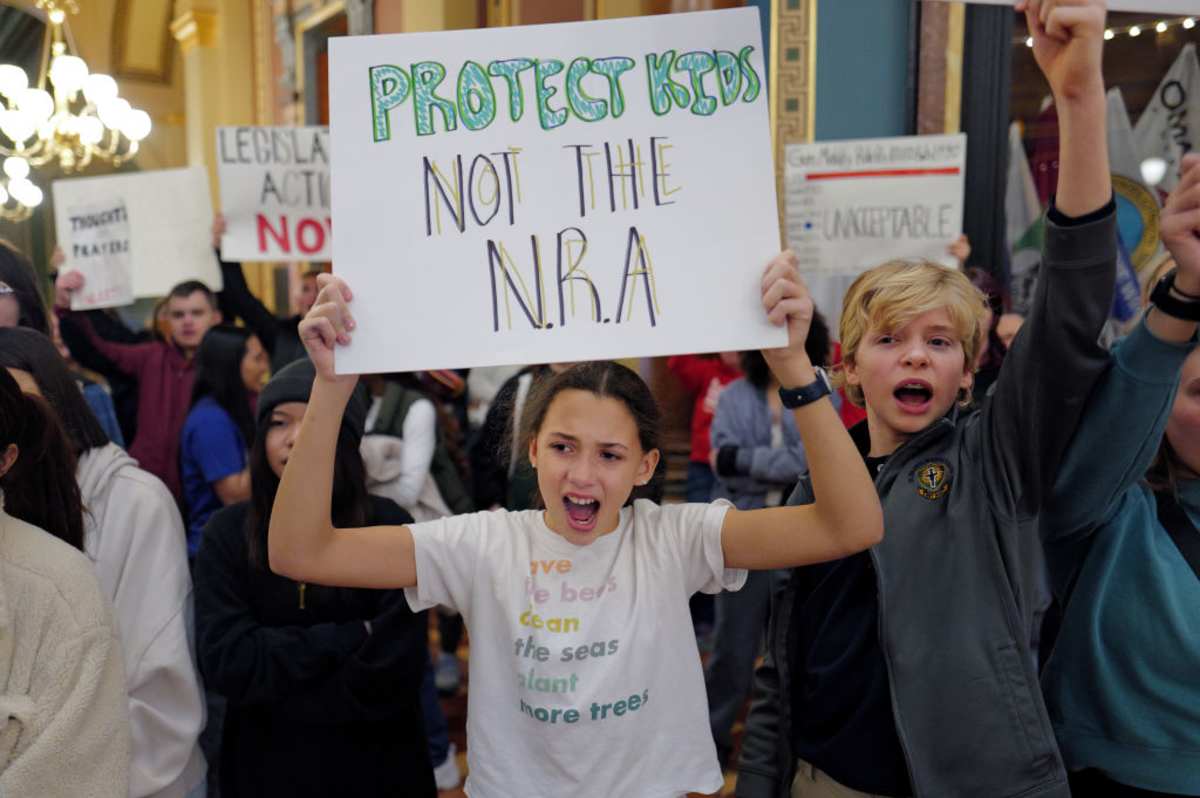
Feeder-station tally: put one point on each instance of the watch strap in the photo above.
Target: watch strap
(1171, 305)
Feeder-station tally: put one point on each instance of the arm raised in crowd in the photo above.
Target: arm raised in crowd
(303, 542)
(83, 340)
(1124, 419)
(1053, 365)
(238, 300)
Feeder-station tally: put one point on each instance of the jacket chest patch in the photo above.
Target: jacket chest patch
(932, 479)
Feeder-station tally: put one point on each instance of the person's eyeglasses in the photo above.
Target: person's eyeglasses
(5, 288)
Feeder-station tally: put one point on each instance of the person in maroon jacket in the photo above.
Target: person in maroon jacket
(163, 369)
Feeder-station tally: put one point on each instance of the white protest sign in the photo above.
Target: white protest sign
(100, 251)
(1141, 6)
(851, 205)
(274, 193)
(553, 192)
(170, 224)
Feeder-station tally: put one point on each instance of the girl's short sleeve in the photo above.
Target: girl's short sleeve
(447, 552)
(695, 530)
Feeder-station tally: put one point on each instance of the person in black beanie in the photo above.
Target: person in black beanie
(322, 684)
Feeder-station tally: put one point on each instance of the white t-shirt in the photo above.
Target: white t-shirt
(585, 677)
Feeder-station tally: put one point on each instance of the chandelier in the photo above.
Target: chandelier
(69, 117)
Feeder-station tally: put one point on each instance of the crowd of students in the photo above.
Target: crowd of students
(971, 559)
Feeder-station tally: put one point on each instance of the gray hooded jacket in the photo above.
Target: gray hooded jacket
(957, 569)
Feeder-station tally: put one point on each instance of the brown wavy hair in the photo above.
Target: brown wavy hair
(40, 488)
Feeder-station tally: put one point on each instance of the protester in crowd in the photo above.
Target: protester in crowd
(407, 462)
(501, 478)
(992, 349)
(1122, 542)
(134, 535)
(65, 727)
(277, 335)
(1007, 328)
(21, 304)
(703, 377)
(626, 564)
(757, 456)
(322, 683)
(230, 367)
(164, 370)
(421, 476)
(908, 670)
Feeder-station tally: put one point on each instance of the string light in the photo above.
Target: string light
(1160, 27)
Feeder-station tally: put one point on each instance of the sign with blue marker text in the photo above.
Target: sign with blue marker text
(553, 193)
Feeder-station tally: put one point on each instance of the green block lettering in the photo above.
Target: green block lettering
(389, 88)
(663, 90)
(613, 68)
(511, 71)
(476, 99)
(698, 64)
(426, 76)
(549, 118)
(586, 108)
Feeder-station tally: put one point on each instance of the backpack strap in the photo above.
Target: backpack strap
(1181, 529)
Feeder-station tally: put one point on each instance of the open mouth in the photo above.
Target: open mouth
(914, 396)
(581, 512)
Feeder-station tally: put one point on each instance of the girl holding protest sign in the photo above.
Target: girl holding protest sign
(584, 668)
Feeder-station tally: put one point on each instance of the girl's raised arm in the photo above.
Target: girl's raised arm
(846, 517)
(303, 544)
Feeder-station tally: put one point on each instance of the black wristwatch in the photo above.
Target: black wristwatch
(1173, 306)
(806, 395)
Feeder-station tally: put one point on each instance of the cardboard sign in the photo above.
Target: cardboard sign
(169, 235)
(100, 251)
(274, 193)
(1140, 6)
(851, 205)
(553, 193)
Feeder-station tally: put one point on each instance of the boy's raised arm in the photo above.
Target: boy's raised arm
(1054, 363)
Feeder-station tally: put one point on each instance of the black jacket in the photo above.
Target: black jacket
(316, 705)
(956, 569)
(280, 337)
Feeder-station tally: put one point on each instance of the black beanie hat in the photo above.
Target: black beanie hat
(294, 383)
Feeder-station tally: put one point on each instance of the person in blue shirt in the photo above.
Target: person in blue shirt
(230, 366)
(1121, 685)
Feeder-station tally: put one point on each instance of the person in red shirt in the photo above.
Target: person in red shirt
(703, 377)
(164, 370)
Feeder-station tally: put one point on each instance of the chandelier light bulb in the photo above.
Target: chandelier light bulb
(37, 103)
(1109, 35)
(68, 72)
(18, 126)
(1135, 31)
(33, 197)
(112, 113)
(91, 130)
(16, 167)
(1189, 23)
(57, 16)
(12, 80)
(99, 88)
(20, 190)
(1161, 27)
(136, 125)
